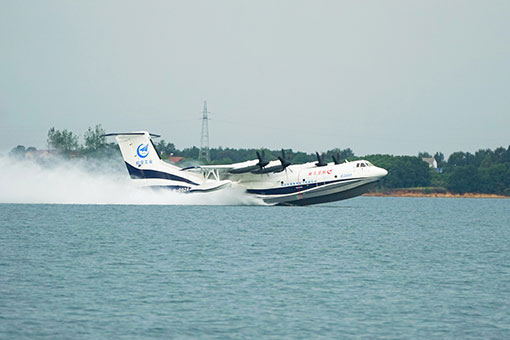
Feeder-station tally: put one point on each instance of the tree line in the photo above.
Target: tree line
(485, 171)
(66, 144)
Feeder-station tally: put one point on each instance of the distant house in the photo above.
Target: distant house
(175, 159)
(40, 154)
(431, 162)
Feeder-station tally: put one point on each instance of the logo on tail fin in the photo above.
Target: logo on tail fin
(142, 150)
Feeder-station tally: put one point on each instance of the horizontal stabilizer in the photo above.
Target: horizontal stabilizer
(129, 134)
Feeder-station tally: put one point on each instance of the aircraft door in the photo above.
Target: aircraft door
(321, 176)
(307, 177)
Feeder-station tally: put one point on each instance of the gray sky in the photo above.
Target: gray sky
(394, 77)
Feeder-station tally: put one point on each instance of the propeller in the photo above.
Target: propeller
(283, 160)
(320, 160)
(336, 158)
(262, 162)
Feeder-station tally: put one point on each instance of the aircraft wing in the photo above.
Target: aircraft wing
(256, 166)
(235, 168)
(273, 166)
(244, 167)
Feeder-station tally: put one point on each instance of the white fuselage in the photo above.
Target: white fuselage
(275, 182)
(308, 182)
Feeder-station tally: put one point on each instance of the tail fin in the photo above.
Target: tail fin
(137, 148)
(143, 161)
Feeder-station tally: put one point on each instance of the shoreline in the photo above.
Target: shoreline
(405, 193)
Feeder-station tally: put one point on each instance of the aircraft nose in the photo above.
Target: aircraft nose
(382, 172)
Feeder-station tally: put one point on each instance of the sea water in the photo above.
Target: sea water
(365, 268)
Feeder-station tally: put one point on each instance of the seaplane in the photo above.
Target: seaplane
(276, 182)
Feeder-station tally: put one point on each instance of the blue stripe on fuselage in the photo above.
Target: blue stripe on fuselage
(297, 188)
(136, 173)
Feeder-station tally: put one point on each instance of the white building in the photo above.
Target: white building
(431, 162)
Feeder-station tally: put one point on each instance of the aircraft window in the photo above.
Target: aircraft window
(357, 165)
(362, 165)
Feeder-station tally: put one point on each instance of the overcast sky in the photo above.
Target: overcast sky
(393, 77)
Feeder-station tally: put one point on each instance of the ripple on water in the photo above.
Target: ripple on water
(363, 268)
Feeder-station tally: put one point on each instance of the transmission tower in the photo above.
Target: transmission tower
(204, 140)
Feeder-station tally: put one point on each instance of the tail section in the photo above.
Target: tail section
(138, 150)
(146, 166)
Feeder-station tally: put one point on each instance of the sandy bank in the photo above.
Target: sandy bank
(405, 193)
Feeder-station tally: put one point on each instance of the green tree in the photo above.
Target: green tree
(18, 152)
(64, 141)
(165, 149)
(190, 153)
(464, 178)
(301, 157)
(94, 139)
(439, 157)
(403, 171)
(495, 179)
(437, 179)
(457, 159)
(342, 154)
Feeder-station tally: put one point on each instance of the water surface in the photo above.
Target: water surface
(365, 268)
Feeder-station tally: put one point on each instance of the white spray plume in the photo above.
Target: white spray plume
(92, 182)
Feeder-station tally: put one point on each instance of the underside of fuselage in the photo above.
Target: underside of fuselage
(318, 193)
(333, 197)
